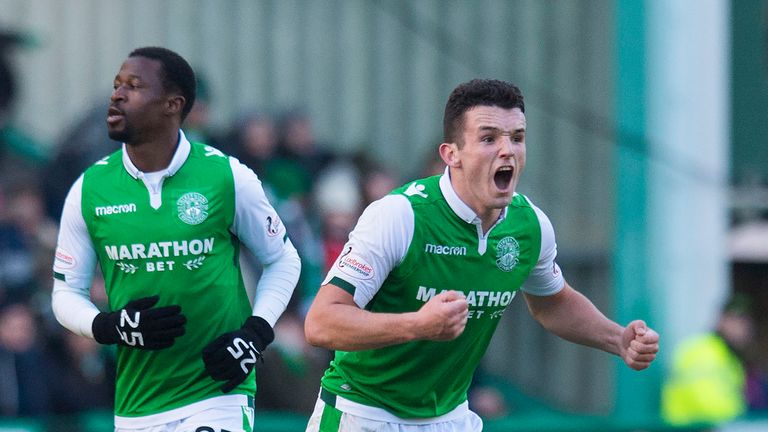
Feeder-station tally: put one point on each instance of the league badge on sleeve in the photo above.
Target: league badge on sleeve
(354, 265)
(63, 260)
(273, 225)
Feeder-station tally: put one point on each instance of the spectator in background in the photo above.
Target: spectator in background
(27, 239)
(197, 126)
(707, 380)
(254, 136)
(753, 280)
(25, 379)
(431, 165)
(297, 143)
(17, 270)
(288, 381)
(342, 190)
(20, 154)
(254, 140)
(69, 161)
(757, 388)
(338, 202)
(377, 180)
(84, 371)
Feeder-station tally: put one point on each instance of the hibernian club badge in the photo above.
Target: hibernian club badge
(507, 253)
(192, 207)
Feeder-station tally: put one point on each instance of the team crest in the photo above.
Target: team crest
(507, 253)
(193, 208)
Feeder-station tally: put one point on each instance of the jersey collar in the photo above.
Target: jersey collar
(458, 206)
(182, 152)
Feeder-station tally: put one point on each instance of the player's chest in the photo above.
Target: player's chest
(133, 210)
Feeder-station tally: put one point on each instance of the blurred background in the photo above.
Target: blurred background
(647, 147)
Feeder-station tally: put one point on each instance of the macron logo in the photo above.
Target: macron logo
(115, 209)
(445, 250)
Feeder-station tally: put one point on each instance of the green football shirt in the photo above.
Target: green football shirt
(443, 250)
(177, 241)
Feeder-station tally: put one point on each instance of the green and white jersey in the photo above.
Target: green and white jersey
(175, 234)
(410, 246)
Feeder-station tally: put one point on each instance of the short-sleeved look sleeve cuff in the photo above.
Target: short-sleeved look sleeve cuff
(376, 245)
(545, 278)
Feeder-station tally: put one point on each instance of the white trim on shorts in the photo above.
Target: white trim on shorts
(379, 414)
(169, 416)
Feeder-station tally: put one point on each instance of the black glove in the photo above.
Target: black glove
(139, 325)
(232, 356)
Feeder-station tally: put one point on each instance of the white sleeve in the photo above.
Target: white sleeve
(376, 245)
(75, 258)
(276, 285)
(545, 278)
(260, 229)
(73, 308)
(73, 268)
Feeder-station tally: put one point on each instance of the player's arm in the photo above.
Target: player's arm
(73, 308)
(232, 356)
(335, 322)
(570, 315)
(138, 324)
(573, 317)
(73, 268)
(259, 228)
(338, 319)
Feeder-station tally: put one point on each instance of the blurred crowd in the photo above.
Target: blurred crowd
(46, 370)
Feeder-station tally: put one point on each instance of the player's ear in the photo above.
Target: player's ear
(449, 152)
(174, 104)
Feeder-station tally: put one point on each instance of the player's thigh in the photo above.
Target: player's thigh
(326, 418)
(221, 419)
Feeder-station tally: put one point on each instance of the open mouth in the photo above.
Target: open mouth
(114, 115)
(503, 177)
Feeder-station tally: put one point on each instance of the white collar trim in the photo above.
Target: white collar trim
(458, 206)
(179, 157)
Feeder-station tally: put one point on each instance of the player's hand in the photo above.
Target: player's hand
(444, 316)
(639, 345)
(232, 356)
(140, 325)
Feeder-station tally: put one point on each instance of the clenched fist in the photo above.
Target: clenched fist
(444, 316)
(639, 345)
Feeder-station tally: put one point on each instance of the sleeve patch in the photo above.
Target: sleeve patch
(273, 225)
(63, 260)
(354, 265)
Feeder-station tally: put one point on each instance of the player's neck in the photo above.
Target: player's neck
(489, 218)
(155, 154)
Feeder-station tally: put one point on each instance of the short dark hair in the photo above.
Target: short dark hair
(178, 75)
(478, 92)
